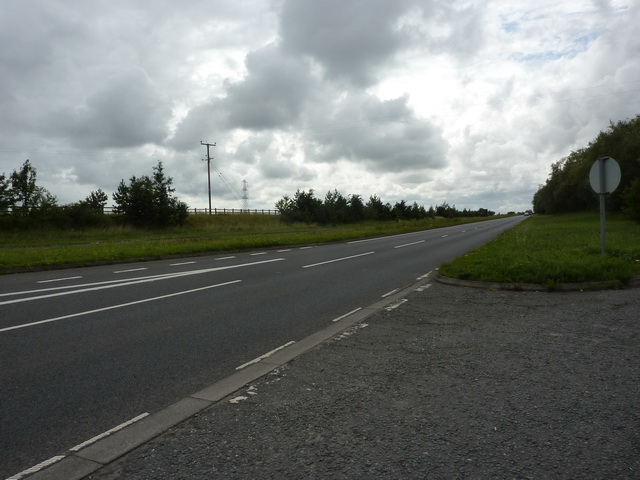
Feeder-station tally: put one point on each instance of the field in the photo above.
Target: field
(547, 250)
(41, 249)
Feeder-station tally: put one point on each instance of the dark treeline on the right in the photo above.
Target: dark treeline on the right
(568, 189)
(337, 209)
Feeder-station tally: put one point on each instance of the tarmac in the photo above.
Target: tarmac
(438, 381)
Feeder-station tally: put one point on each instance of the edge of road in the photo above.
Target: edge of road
(534, 287)
(77, 463)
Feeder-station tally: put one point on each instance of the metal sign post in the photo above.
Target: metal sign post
(604, 178)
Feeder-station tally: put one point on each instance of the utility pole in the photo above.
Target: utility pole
(245, 195)
(208, 169)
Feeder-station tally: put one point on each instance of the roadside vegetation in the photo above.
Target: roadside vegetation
(551, 250)
(199, 234)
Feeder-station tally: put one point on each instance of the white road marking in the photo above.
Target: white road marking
(108, 432)
(390, 293)
(120, 283)
(226, 258)
(59, 279)
(445, 236)
(409, 244)
(305, 248)
(423, 287)
(346, 314)
(182, 263)
(131, 270)
(258, 253)
(337, 260)
(113, 307)
(262, 357)
(395, 305)
(285, 250)
(36, 468)
(425, 275)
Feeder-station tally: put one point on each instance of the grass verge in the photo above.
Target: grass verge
(41, 249)
(552, 250)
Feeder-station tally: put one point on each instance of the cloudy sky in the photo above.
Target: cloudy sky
(466, 102)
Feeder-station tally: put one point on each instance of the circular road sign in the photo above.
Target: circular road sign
(605, 175)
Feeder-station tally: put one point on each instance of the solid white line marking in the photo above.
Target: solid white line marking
(347, 314)
(226, 258)
(262, 357)
(337, 260)
(59, 279)
(409, 244)
(108, 432)
(113, 307)
(122, 283)
(36, 468)
(182, 263)
(390, 293)
(131, 270)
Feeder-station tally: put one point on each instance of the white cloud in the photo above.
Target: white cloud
(417, 100)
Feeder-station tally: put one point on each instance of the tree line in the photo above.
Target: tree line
(146, 201)
(337, 208)
(567, 188)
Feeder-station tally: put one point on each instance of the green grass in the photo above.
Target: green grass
(52, 248)
(551, 250)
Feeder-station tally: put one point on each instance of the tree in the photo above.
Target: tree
(149, 201)
(96, 200)
(6, 195)
(28, 198)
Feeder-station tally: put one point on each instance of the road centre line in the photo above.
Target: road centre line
(226, 258)
(262, 357)
(181, 263)
(409, 244)
(121, 283)
(59, 279)
(113, 307)
(337, 260)
(258, 253)
(347, 314)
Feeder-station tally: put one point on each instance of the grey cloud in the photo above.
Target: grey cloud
(385, 136)
(273, 93)
(351, 39)
(126, 111)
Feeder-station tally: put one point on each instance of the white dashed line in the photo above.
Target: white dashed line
(108, 432)
(337, 260)
(59, 279)
(131, 270)
(347, 314)
(262, 357)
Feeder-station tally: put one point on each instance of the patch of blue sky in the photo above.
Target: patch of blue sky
(540, 57)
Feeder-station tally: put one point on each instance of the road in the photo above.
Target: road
(85, 350)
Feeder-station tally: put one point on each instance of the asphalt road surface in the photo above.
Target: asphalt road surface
(84, 350)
